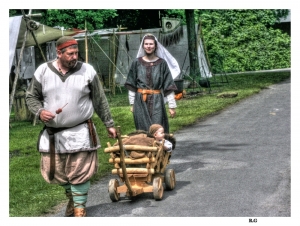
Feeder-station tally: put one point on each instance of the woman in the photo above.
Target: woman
(150, 83)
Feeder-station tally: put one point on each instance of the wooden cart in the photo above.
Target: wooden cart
(146, 173)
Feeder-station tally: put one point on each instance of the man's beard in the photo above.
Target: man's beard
(71, 64)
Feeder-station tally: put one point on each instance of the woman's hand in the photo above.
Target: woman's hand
(172, 112)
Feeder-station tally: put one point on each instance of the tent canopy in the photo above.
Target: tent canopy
(42, 33)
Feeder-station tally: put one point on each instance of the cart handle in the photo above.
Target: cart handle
(122, 161)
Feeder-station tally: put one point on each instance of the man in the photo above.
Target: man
(64, 94)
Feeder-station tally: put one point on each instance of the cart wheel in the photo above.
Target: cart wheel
(112, 189)
(158, 189)
(170, 179)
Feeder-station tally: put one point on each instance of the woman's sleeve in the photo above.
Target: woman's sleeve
(131, 96)
(171, 100)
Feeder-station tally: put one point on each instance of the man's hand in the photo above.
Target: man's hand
(112, 133)
(46, 116)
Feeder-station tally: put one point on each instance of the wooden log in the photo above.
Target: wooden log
(112, 155)
(132, 161)
(149, 178)
(134, 171)
(124, 136)
(165, 162)
(130, 148)
(122, 157)
(135, 177)
(156, 164)
(138, 187)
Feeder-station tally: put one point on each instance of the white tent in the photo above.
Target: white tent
(204, 67)
(24, 32)
(36, 34)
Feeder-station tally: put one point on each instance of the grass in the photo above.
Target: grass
(30, 195)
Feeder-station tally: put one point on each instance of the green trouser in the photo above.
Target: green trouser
(79, 193)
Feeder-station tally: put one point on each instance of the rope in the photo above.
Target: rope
(108, 57)
(95, 58)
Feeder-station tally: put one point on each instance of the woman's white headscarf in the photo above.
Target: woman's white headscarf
(162, 52)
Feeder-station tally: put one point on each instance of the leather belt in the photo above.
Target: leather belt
(52, 153)
(145, 92)
(92, 132)
(51, 131)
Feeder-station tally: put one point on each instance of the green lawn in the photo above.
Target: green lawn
(30, 195)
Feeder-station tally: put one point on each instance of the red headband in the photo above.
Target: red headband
(66, 44)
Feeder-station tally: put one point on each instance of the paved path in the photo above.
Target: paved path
(233, 164)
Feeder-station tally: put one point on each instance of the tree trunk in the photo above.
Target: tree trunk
(192, 42)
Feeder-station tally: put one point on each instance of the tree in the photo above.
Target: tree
(76, 18)
(192, 41)
(245, 40)
(134, 19)
(242, 39)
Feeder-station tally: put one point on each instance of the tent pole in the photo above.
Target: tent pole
(114, 65)
(11, 99)
(86, 45)
(33, 35)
